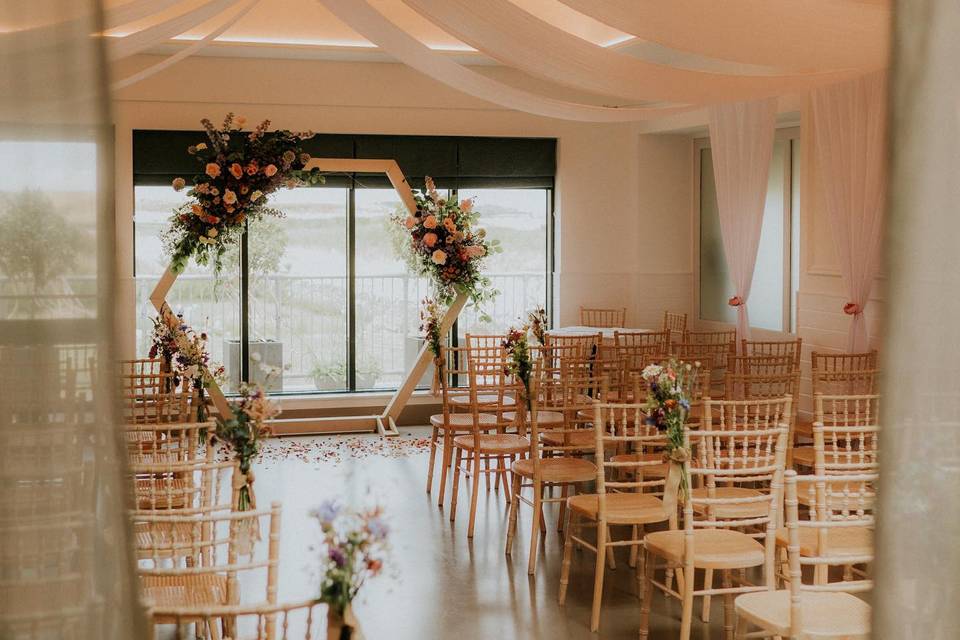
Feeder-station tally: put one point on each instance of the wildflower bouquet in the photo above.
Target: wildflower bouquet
(239, 171)
(243, 431)
(444, 246)
(667, 407)
(430, 321)
(520, 365)
(539, 323)
(354, 548)
(185, 352)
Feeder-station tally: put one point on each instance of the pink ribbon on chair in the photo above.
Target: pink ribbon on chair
(852, 309)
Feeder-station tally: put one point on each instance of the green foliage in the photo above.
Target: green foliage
(36, 242)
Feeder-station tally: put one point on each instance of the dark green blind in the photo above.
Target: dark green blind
(452, 161)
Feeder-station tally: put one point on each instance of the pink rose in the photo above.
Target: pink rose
(409, 222)
(270, 170)
(430, 222)
(229, 197)
(439, 257)
(430, 239)
(212, 169)
(466, 205)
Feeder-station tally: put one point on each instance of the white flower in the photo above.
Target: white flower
(651, 372)
(201, 146)
(256, 195)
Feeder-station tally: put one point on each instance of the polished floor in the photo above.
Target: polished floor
(440, 584)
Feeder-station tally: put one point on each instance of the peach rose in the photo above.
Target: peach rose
(430, 239)
(409, 223)
(430, 222)
(450, 225)
(236, 170)
(439, 257)
(179, 183)
(229, 197)
(476, 251)
(212, 232)
(197, 209)
(212, 169)
(466, 205)
(270, 170)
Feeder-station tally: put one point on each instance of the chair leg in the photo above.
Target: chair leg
(567, 553)
(456, 484)
(486, 468)
(565, 493)
(742, 628)
(602, 549)
(475, 493)
(707, 584)
(727, 607)
(447, 458)
(686, 618)
(611, 559)
(535, 528)
(634, 532)
(433, 458)
(647, 563)
(514, 508)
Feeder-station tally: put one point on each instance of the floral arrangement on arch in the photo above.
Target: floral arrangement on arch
(240, 170)
(431, 319)
(354, 549)
(185, 352)
(445, 245)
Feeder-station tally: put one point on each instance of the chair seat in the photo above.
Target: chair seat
(495, 443)
(558, 470)
(804, 456)
(841, 541)
(463, 421)
(545, 419)
(622, 508)
(483, 399)
(654, 471)
(740, 510)
(822, 615)
(187, 590)
(712, 548)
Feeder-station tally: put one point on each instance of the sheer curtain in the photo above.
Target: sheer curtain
(741, 141)
(66, 569)
(850, 127)
(918, 558)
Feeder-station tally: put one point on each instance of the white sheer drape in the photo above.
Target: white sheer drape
(850, 128)
(741, 142)
(918, 558)
(66, 565)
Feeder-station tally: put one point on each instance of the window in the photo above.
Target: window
(776, 273)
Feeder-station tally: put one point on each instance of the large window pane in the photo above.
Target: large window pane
(518, 218)
(387, 295)
(207, 303)
(298, 291)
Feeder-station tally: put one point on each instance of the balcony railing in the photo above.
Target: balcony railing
(308, 316)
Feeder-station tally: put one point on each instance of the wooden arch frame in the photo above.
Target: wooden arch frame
(385, 422)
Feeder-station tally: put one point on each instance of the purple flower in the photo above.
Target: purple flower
(337, 556)
(378, 528)
(326, 512)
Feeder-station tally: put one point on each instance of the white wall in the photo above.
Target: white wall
(622, 200)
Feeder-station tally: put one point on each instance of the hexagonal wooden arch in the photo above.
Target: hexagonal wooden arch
(384, 423)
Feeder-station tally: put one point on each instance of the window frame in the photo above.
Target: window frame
(789, 303)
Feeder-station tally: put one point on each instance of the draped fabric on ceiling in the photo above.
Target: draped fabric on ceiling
(809, 35)
(520, 39)
(850, 127)
(161, 32)
(741, 142)
(66, 562)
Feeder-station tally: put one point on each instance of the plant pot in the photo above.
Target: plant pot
(342, 627)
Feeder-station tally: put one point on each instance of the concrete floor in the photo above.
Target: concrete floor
(440, 584)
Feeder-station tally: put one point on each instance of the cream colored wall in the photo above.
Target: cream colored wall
(622, 199)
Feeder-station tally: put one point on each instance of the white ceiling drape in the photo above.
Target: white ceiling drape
(850, 128)
(372, 25)
(793, 35)
(520, 39)
(741, 143)
(121, 47)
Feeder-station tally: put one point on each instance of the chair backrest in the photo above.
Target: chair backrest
(603, 318)
(492, 389)
(492, 340)
(675, 323)
(654, 340)
(208, 550)
(844, 373)
(152, 397)
(748, 414)
(820, 554)
(587, 342)
(168, 443)
(186, 488)
(298, 620)
(761, 365)
(845, 433)
(727, 337)
(713, 358)
(790, 348)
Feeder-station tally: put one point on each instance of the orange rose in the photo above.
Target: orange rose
(409, 223)
(236, 170)
(450, 225)
(430, 239)
(212, 169)
(439, 257)
(270, 170)
(229, 197)
(196, 208)
(430, 222)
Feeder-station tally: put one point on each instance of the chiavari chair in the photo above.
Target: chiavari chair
(675, 323)
(713, 357)
(588, 343)
(603, 318)
(257, 621)
(150, 394)
(724, 530)
(624, 499)
(229, 547)
(659, 341)
(818, 610)
(557, 402)
(488, 375)
(727, 337)
(485, 341)
(840, 374)
(789, 348)
(168, 443)
(766, 381)
(848, 428)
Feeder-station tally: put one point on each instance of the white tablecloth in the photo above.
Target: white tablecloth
(606, 332)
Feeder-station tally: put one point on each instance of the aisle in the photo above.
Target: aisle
(443, 586)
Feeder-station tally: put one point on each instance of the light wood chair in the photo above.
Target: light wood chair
(766, 383)
(790, 348)
(286, 621)
(185, 487)
(658, 341)
(588, 343)
(761, 365)
(488, 376)
(169, 442)
(484, 341)
(711, 356)
(150, 395)
(730, 520)
(557, 430)
(675, 323)
(726, 336)
(603, 318)
(834, 374)
(229, 547)
(628, 500)
(847, 427)
(818, 610)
